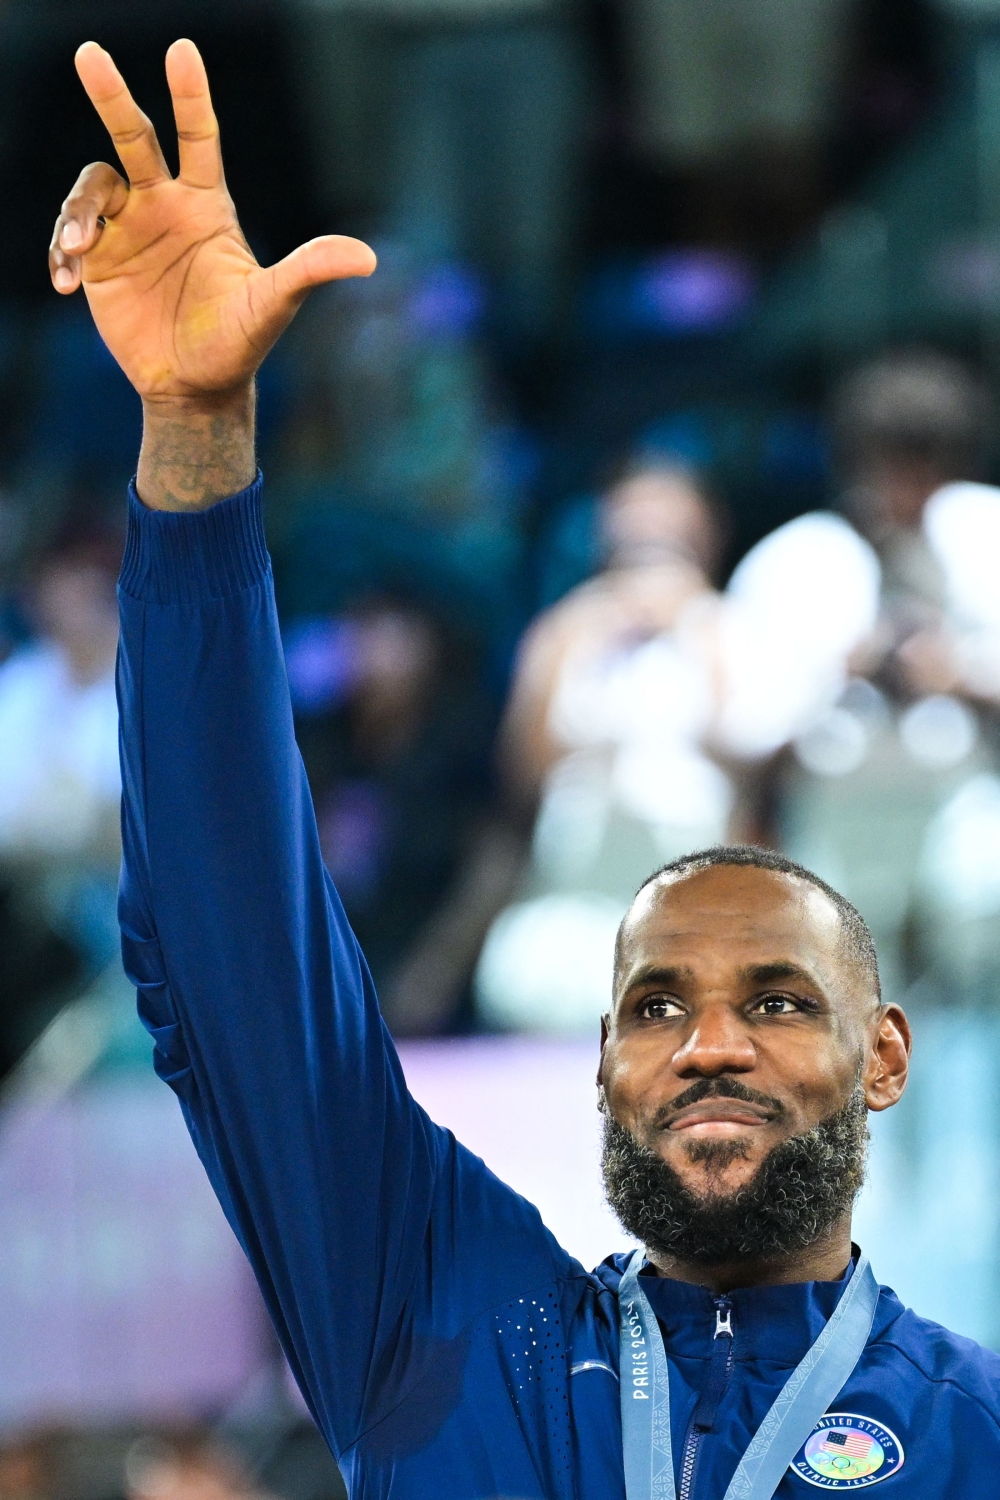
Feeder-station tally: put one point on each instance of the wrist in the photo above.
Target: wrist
(196, 450)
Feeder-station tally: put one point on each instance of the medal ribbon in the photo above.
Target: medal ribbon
(805, 1397)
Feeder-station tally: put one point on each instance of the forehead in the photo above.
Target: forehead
(733, 915)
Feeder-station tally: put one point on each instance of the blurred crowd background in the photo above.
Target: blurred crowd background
(642, 500)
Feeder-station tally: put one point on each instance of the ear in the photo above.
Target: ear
(888, 1062)
(605, 1032)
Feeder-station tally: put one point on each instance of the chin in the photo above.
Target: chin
(731, 1158)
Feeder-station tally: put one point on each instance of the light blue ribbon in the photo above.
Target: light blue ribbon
(805, 1397)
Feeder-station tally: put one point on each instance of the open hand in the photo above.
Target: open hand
(173, 286)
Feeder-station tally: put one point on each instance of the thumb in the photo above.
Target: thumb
(275, 294)
(332, 257)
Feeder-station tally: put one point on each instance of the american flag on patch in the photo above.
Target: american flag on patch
(854, 1444)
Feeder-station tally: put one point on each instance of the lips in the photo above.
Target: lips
(720, 1117)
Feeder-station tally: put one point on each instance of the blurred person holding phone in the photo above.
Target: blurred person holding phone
(605, 749)
(660, 536)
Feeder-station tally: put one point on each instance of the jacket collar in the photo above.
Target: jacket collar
(773, 1324)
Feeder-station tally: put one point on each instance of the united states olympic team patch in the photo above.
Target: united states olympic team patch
(848, 1452)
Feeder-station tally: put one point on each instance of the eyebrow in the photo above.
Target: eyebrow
(660, 974)
(779, 969)
(769, 973)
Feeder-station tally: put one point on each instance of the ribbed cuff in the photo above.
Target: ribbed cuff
(174, 557)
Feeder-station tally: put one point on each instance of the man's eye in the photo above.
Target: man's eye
(659, 1008)
(776, 1005)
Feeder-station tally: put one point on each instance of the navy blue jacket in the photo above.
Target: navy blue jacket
(447, 1346)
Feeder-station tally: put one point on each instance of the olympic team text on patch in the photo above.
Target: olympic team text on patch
(848, 1452)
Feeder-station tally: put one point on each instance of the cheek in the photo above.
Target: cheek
(814, 1075)
(637, 1076)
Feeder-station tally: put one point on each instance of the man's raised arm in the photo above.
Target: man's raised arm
(250, 980)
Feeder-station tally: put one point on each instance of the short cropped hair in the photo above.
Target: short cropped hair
(856, 935)
(914, 404)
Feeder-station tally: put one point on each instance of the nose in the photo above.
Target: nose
(716, 1043)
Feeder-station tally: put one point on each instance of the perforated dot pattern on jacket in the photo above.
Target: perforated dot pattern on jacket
(530, 1335)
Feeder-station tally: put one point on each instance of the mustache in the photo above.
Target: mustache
(716, 1088)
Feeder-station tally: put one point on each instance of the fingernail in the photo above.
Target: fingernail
(64, 279)
(72, 235)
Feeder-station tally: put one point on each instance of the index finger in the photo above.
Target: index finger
(131, 130)
(197, 128)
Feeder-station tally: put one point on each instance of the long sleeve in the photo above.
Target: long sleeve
(376, 1239)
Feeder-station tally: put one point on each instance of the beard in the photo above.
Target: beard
(799, 1191)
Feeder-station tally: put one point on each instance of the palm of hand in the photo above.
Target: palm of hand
(170, 283)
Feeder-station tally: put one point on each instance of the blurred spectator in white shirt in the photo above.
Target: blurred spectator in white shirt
(874, 651)
(913, 431)
(903, 595)
(661, 543)
(603, 744)
(59, 778)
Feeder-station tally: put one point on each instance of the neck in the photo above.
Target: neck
(826, 1259)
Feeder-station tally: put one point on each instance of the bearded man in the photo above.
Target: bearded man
(447, 1346)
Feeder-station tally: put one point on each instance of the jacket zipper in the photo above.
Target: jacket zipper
(703, 1416)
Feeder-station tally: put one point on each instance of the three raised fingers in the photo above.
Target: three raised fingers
(197, 128)
(131, 130)
(98, 193)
